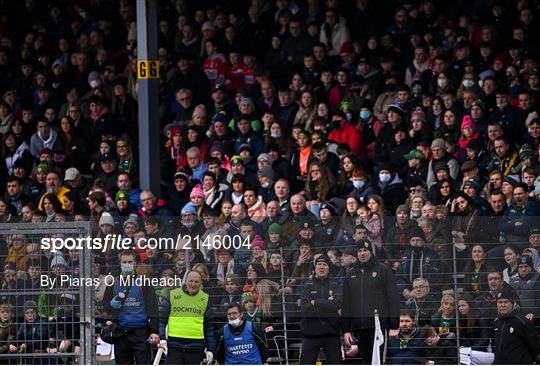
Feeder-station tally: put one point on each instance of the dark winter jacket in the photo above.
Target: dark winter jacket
(368, 287)
(320, 318)
(515, 340)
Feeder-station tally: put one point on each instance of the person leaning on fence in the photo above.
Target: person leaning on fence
(515, 339)
(135, 309)
(8, 327)
(241, 342)
(190, 324)
(368, 287)
(35, 335)
(320, 300)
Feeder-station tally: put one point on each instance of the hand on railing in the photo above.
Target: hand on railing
(347, 339)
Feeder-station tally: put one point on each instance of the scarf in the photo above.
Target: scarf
(49, 142)
(222, 274)
(10, 160)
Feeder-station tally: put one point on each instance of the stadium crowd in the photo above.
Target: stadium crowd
(320, 159)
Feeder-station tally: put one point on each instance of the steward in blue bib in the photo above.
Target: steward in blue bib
(241, 342)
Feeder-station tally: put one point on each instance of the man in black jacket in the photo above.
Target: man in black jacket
(370, 286)
(320, 301)
(515, 340)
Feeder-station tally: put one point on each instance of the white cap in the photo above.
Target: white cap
(71, 174)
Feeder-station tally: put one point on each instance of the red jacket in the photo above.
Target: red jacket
(235, 76)
(350, 135)
(214, 66)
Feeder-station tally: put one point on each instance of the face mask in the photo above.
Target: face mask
(502, 105)
(416, 213)
(265, 184)
(358, 184)
(275, 135)
(384, 177)
(127, 268)
(442, 83)
(234, 323)
(94, 83)
(467, 83)
(365, 115)
(188, 224)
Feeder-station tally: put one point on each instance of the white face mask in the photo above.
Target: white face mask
(234, 323)
(467, 83)
(275, 135)
(265, 184)
(442, 83)
(95, 84)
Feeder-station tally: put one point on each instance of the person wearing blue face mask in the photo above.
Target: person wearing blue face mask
(392, 187)
(370, 127)
(362, 187)
(135, 309)
(241, 342)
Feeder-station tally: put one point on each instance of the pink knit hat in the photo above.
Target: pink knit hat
(468, 122)
(197, 191)
(258, 243)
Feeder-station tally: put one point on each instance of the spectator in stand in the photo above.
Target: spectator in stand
(69, 95)
(358, 308)
(408, 348)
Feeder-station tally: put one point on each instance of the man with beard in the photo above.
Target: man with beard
(53, 184)
(407, 348)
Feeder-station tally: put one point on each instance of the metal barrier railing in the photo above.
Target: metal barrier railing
(284, 341)
(53, 317)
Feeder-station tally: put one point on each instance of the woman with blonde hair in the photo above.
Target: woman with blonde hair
(266, 289)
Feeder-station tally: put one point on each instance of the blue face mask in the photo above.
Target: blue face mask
(365, 115)
(358, 184)
(384, 177)
(127, 268)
